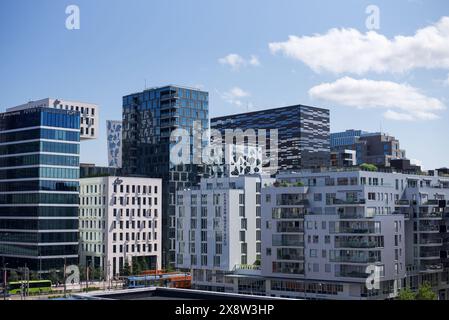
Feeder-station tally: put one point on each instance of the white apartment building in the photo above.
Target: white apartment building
(120, 220)
(324, 233)
(218, 229)
(89, 113)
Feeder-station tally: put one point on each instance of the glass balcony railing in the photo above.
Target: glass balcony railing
(355, 259)
(348, 202)
(358, 230)
(357, 244)
(402, 202)
(429, 228)
(431, 215)
(431, 241)
(351, 274)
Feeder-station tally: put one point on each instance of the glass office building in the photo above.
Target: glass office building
(149, 118)
(39, 188)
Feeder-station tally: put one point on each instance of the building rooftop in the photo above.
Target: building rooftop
(264, 110)
(160, 293)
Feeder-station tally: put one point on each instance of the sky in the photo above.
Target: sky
(390, 74)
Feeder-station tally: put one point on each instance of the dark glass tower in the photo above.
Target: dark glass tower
(39, 188)
(303, 133)
(149, 117)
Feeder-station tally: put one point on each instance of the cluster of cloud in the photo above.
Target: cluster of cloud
(401, 101)
(236, 61)
(350, 51)
(234, 96)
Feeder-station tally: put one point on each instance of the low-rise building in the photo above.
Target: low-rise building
(120, 223)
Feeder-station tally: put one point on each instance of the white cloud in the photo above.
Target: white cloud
(254, 61)
(349, 50)
(235, 95)
(236, 61)
(402, 101)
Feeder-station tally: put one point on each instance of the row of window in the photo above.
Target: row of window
(39, 185)
(40, 146)
(43, 159)
(134, 188)
(40, 211)
(37, 198)
(39, 237)
(50, 134)
(61, 224)
(132, 224)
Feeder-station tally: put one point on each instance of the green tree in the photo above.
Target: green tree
(368, 167)
(34, 275)
(425, 292)
(126, 270)
(406, 294)
(54, 276)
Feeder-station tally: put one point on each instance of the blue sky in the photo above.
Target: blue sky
(400, 88)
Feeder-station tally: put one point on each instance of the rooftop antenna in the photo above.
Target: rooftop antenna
(145, 84)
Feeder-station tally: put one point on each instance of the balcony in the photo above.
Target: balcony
(353, 202)
(402, 203)
(357, 244)
(436, 267)
(358, 230)
(430, 256)
(431, 242)
(352, 274)
(429, 229)
(430, 215)
(169, 97)
(431, 203)
(355, 259)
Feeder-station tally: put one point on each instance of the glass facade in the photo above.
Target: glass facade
(149, 117)
(303, 133)
(39, 188)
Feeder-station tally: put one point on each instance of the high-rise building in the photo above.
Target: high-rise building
(120, 223)
(149, 118)
(88, 113)
(373, 148)
(39, 188)
(303, 133)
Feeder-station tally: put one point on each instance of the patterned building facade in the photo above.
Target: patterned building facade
(303, 133)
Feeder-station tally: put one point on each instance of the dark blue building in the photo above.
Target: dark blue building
(149, 118)
(39, 188)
